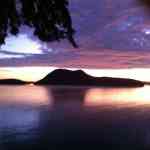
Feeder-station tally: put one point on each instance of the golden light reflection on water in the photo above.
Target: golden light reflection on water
(117, 96)
(32, 95)
(42, 95)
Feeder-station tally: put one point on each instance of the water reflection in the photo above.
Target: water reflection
(68, 95)
(72, 115)
(26, 95)
(74, 96)
(17, 123)
(117, 97)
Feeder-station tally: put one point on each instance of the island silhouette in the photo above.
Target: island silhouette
(77, 78)
(12, 82)
(80, 78)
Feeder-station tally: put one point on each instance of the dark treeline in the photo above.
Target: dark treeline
(50, 19)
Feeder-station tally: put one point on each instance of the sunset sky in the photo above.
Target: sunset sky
(113, 38)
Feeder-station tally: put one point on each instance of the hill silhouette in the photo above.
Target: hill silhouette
(12, 82)
(79, 77)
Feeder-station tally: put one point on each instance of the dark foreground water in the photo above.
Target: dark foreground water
(49, 118)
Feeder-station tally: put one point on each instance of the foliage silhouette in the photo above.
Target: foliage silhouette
(50, 19)
(145, 3)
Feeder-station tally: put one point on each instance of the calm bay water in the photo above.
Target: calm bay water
(43, 117)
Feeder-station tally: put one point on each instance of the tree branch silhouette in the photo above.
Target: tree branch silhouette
(50, 19)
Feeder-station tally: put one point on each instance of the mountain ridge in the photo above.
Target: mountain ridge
(79, 77)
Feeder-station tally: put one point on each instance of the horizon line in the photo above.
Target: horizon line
(36, 73)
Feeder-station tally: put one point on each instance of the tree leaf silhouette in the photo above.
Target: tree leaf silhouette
(50, 19)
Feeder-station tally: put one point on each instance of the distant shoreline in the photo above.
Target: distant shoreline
(80, 78)
(77, 78)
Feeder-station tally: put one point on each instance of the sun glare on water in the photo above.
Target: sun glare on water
(118, 97)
